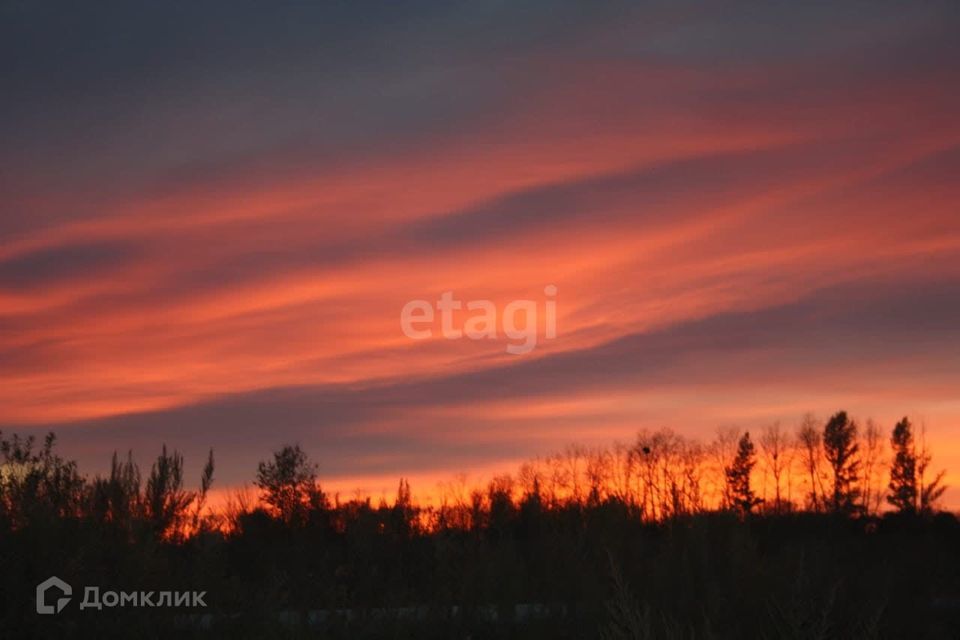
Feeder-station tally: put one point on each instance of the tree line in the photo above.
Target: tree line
(824, 530)
(836, 468)
(852, 461)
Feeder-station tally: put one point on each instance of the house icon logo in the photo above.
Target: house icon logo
(46, 585)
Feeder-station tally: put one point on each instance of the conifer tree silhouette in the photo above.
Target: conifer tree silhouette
(738, 476)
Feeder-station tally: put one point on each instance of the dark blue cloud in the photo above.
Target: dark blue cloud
(129, 95)
(70, 262)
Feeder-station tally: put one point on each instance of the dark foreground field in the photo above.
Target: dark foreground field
(586, 572)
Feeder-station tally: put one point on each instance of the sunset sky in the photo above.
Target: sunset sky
(210, 219)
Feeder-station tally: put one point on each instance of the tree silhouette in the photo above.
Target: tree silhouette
(738, 476)
(871, 459)
(903, 470)
(288, 482)
(775, 445)
(809, 442)
(929, 492)
(403, 513)
(37, 483)
(116, 499)
(840, 448)
(165, 500)
(206, 481)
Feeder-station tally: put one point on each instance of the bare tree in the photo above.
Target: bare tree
(929, 492)
(871, 458)
(530, 477)
(559, 482)
(775, 447)
(623, 467)
(573, 457)
(692, 459)
(599, 473)
(454, 510)
(808, 442)
(647, 452)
